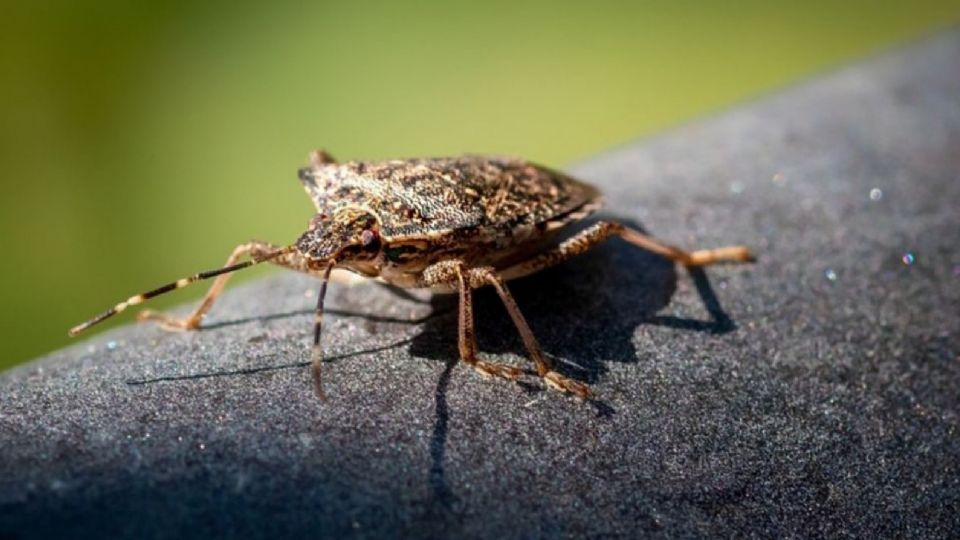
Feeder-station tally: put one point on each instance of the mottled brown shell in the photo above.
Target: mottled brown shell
(433, 196)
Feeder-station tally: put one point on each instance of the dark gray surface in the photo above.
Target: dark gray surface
(767, 400)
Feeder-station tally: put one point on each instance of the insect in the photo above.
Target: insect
(450, 225)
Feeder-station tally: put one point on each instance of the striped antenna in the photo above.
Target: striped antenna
(178, 284)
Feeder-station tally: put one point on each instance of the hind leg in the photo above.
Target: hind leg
(600, 232)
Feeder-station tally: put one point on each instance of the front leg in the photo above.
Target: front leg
(256, 250)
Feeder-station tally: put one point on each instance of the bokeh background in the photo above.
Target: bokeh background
(142, 141)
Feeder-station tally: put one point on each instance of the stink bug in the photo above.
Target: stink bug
(445, 224)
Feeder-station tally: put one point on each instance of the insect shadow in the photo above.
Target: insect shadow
(371, 317)
(263, 369)
(584, 312)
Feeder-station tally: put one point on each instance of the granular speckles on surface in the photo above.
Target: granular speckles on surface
(781, 405)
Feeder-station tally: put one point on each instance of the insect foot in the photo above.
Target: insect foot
(735, 254)
(488, 369)
(168, 323)
(559, 382)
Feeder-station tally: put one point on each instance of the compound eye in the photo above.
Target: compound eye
(370, 240)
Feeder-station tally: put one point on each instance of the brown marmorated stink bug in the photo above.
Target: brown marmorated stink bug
(444, 224)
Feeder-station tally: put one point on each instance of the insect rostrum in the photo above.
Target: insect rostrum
(446, 224)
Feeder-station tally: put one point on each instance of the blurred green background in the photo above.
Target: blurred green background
(140, 143)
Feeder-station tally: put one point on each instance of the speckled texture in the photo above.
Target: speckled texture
(767, 400)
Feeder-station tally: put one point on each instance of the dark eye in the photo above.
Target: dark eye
(370, 240)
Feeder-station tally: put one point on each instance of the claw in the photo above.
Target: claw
(497, 370)
(170, 324)
(559, 382)
(735, 254)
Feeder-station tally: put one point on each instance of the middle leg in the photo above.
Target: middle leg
(456, 273)
(467, 336)
(489, 276)
(467, 279)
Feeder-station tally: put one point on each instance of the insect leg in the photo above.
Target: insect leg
(456, 272)
(700, 257)
(192, 321)
(599, 232)
(219, 273)
(467, 338)
(487, 275)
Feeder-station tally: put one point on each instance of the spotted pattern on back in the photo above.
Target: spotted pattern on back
(434, 195)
